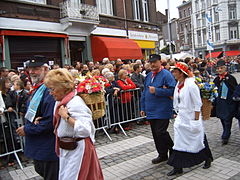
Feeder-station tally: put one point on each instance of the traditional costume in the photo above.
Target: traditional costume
(226, 108)
(190, 147)
(81, 163)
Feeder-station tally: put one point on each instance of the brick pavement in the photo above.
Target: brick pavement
(129, 157)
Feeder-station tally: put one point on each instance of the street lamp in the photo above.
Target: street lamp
(169, 30)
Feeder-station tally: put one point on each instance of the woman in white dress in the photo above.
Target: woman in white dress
(74, 130)
(190, 143)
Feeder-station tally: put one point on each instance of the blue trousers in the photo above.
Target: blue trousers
(227, 125)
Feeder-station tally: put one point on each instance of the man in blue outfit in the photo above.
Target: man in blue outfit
(38, 130)
(157, 105)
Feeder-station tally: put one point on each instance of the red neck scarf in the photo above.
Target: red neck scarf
(180, 86)
(154, 73)
(56, 119)
(222, 76)
(35, 87)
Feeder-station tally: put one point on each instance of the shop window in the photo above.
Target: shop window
(208, 3)
(180, 14)
(36, 1)
(189, 11)
(136, 8)
(199, 37)
(105, 7)
(216, 16)
(233, 32)
(232, 13)
(204, 35)
(203, 19)
(217, 33)
(181, 27)
(22, 49)
(198, 19)
(196, 5)
(203, 4)
(145, 10)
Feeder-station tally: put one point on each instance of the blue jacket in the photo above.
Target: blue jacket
(40, 139)
(160, 104)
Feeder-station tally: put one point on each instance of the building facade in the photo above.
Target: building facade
(185, 28)
(162, 20)
(65, 31)
(173, 25)
(130, 19)
(224, 27)
(55, 29)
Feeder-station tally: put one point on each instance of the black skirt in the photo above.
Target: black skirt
(180, 159)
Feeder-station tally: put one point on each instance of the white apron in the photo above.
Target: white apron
(188, 132)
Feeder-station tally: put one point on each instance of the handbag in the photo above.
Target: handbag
(69, 143)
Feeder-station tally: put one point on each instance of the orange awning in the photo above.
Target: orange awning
(232, 53)
(214, 54)
(114, 48)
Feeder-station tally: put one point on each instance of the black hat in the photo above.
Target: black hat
(221, 63)
(37, 61)
(154, 57)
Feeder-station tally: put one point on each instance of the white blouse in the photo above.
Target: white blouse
(83, 127)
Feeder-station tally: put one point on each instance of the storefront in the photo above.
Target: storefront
(216, 54)
(79, 42)
(232, 53)
(20, 46)
(146, 41)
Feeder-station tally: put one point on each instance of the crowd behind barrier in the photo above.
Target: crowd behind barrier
(119, 112)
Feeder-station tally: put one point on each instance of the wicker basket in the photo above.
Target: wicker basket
(206, 109)
(96, 102)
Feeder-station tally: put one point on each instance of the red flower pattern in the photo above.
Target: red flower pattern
(92, 85)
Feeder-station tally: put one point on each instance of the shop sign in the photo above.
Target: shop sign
(142, 36)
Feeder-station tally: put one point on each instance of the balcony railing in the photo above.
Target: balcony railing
(79, 11)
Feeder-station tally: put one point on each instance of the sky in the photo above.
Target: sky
(162, 5)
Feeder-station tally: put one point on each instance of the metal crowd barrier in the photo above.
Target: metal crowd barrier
(123, 108)
(120, 109)
(102, 124)
(10, 142)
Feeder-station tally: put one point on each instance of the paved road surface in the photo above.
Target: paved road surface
(129, 157)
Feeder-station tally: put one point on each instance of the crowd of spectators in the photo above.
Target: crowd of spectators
(122, 75)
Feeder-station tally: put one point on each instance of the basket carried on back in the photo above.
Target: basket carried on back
(96, 103)
(206, 109)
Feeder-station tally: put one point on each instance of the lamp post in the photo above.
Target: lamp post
(169, 30)
(125, 17)
(193, 35)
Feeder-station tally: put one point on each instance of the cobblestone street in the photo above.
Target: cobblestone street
(129, 157)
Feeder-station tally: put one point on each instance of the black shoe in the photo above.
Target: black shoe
(175, 171)
(207, 163)
(224, 141)
(159, 159)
